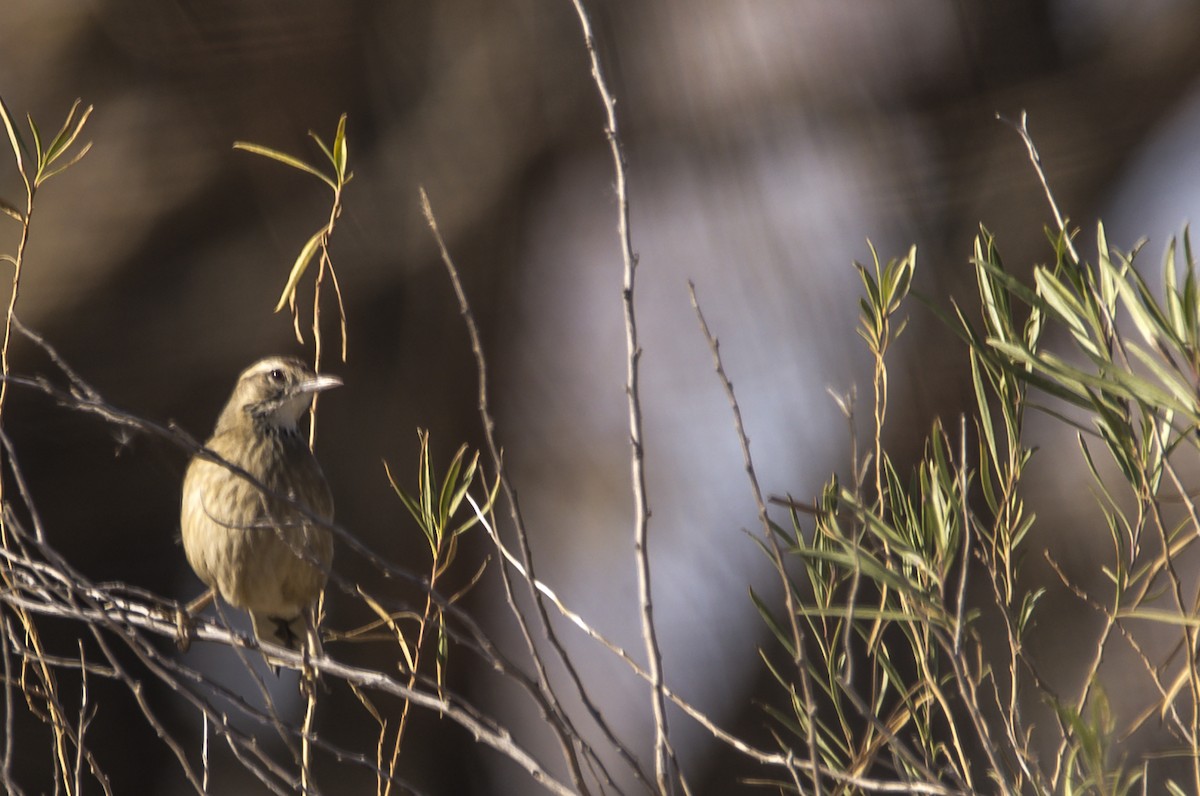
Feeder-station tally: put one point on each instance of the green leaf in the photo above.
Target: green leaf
(340, 155)
(1162, 616)
(66, 134)
(1139, 300)
(448, 490)
(985, 415)
(14, 137)
(323, 147)
(409, 502)
(1065, 305)
(11, 211)
(784, 637)
(1107, 283)
(37, 139)
(1183, 391)
(1174, 298)
(287, 160)
(45, 175)
(866, 613)
(1028, 604)
(465, 481)
(288, 297)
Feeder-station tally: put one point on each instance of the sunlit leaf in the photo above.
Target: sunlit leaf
(14, 136)
(284, 158)
(288, 297)
(11, 211)
(340, 155)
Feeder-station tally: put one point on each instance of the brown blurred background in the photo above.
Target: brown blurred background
(767, 141)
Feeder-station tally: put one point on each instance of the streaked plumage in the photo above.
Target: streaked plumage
(258, 552)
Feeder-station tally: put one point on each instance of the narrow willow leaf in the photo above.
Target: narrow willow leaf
(1107, 284)
(340, 155)
(1038, 362)
(14, 137)
(78, 156)
(68, 132)
(1182, 390)
(1095, 472)
(322, 146)
(446, 502)
(1174, 298)
(1143, 309)
(467, 479)
(865, 613)
(288, 297)
(37, 141)
(870, 567)
(1161, 616)
(782, 636)
(1065, 305)
(11, 211)
(409, 502)
(985, 415)
(387, 620)
(287, 160)
(1028, 604)
(1192, 302)
(1015, 286)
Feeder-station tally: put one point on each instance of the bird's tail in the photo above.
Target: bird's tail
(288, 632)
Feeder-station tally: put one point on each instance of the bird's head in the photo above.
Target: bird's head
(274, 391)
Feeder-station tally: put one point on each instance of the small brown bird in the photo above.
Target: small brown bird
(248, 544)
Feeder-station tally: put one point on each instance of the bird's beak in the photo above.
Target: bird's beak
(318, 383)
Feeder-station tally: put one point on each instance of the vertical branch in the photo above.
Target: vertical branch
(325, 266)
(12, 300)
(663, 759)
(24, 219)
(204, 752)
(798, 638)
(35, 171)
(310, 713)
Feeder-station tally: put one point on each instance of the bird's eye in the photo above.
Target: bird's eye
(277, 375)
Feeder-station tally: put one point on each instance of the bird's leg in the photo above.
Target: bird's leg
(284, 632)
(183, 618)
(201, 602)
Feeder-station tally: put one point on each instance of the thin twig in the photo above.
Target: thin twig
(80, 397)
(961, 597)
(664, 762)
(489, 428)
(115, 613)
(1022, 128)
(6, 765)
(725, 737)
(798, 639)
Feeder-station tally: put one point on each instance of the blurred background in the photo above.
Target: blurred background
(767, 141)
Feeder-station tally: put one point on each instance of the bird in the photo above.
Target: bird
(249, 543)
